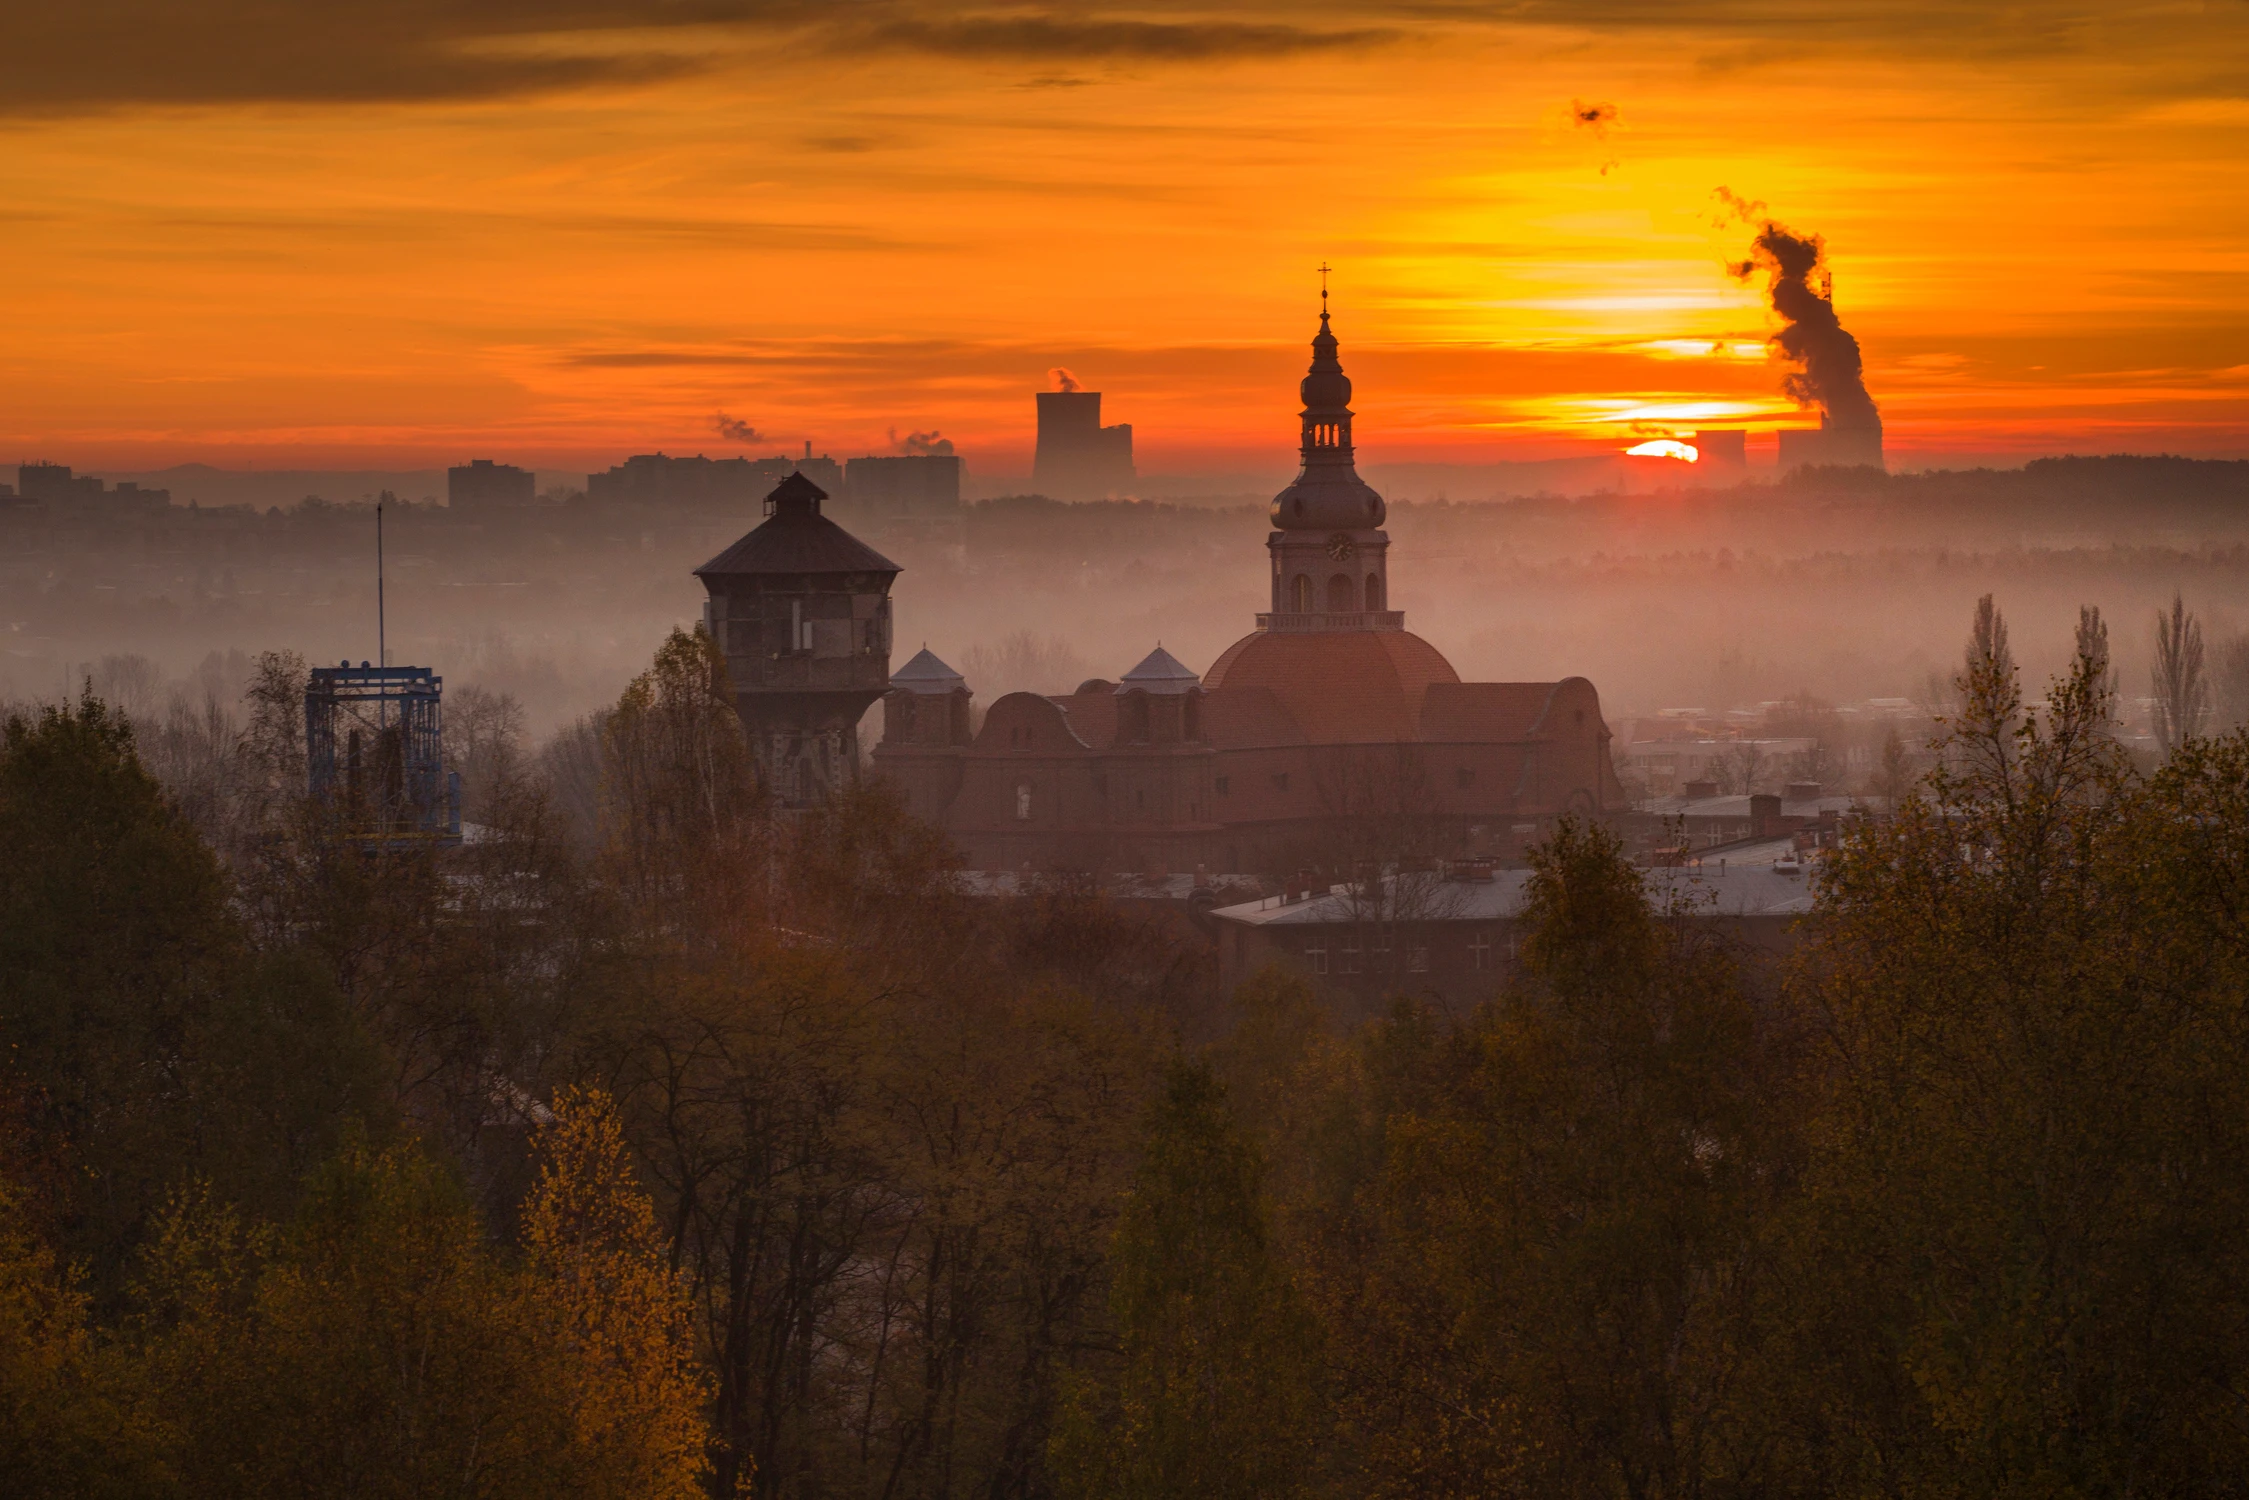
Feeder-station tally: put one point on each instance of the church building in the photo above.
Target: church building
(1328, 734)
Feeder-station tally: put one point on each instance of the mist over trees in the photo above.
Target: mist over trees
(653, 1144)
(1842, 584)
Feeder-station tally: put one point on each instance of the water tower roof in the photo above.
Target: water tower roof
(796, 538)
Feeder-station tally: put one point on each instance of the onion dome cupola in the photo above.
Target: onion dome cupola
(1328, 494)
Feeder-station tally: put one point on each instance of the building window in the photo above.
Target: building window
(1316, 954)
(1374, 591)
(1220, 786)
(1303, 594)
(1342, 597)
(1417, 960)
(1480, 952)
(1350, 955)
(1023, 801)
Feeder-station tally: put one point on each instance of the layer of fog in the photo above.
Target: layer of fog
(1845, 588)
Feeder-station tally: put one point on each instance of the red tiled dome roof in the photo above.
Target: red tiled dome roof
(1343, 687)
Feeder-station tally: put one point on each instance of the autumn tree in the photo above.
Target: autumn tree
(1560, 1255)
(1215, 1392)
(686, 839)
(116, 944)
(379, 1345)
(2023, 1205)
(2179, 677)
(604, 1293)
(70, 1426)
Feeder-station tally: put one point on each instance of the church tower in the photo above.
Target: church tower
(1331, 568)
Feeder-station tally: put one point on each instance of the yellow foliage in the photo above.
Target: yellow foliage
(603, 1292)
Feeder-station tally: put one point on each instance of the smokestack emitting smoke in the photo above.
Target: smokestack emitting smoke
(1063, 379)
(1829, 374)
(738, 430)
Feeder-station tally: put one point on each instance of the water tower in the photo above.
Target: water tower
(801, 610)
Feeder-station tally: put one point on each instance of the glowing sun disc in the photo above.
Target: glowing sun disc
(1665, 448)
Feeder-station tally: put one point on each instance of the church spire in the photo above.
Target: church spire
(1326, 392)
(1328, 494)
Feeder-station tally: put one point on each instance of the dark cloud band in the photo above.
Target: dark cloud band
(105, 54)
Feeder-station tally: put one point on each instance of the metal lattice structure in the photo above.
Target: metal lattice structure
(375, 752)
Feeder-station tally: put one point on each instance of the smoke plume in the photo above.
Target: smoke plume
(738, 430)
(1828, 373)
(931, 443)
(1734, 208)
(1063, 379)
(1597, 117)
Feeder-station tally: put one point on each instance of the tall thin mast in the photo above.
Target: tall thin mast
(382, 637)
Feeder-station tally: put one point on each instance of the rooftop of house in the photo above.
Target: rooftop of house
(1734, 888)
(1738, 806)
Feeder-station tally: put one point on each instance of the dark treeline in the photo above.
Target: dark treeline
(700, 1151)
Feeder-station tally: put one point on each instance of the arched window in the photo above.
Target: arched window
(1374, 591)
(1342, 597)
(1303, 594)
(1132, 718)
(1023, 801)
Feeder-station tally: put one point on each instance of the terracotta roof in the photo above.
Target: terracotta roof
(1248, 718)
(1342, 687)
(797, 539)
(1483, 713)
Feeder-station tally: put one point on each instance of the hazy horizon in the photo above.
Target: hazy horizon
(1845, 588)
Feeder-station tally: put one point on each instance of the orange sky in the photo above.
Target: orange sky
(559, 231)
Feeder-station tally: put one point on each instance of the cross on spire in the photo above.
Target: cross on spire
(1323, 288)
